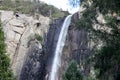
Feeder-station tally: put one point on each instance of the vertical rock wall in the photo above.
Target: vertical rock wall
(34, 65)
(38, 62)
(19, 31)
(32, 61)
(76, 48)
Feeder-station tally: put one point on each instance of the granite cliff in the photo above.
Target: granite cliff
(19, 33)
(32, 59)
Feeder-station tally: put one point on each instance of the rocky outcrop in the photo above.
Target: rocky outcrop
(19, 31)
(34, 65)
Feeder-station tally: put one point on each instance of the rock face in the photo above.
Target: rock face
(19, 31)
(39, 60)
(31, 60)
(76, 48)
(34, 66)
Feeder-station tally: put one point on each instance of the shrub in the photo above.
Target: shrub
(38, 37)
(72, 72)
(5, 72)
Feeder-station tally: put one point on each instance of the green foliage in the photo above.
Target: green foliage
(106, 59)
(4, 4)
(5, 72)
(106, 6)
(87, 19)
(32, 7)
(38, 37)
(85, 22)
(88, 78)
(72, 72)
(49, 10)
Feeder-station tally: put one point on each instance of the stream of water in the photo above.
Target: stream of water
(59, 47)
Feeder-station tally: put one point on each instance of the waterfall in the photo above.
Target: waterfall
(59, 47)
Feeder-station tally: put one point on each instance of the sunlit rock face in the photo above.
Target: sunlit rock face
(19, 31)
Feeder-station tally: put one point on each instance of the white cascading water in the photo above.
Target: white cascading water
(59, 47)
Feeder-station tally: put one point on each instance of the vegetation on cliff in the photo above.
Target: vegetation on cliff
(105, 59)
(72, 72)
(5, 71)
(32, 7)
(38, 37)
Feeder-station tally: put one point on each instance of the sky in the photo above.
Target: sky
(62, 4)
